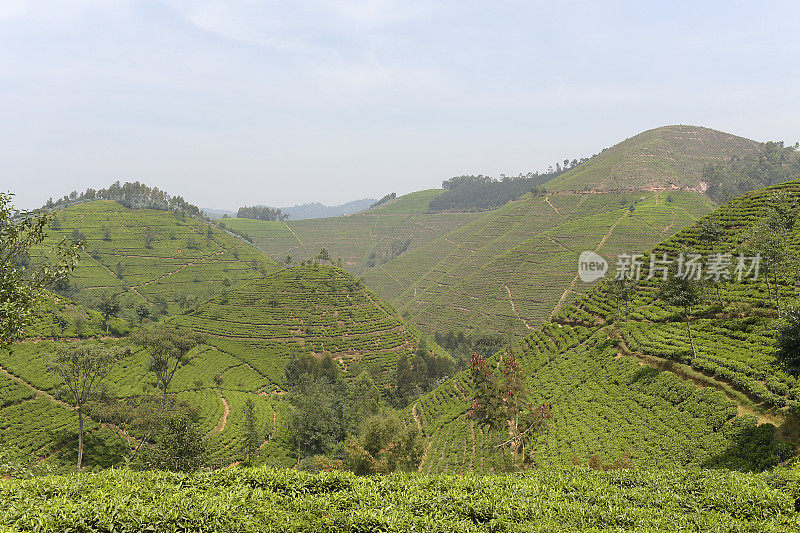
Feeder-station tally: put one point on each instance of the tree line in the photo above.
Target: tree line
(132, 195)
(481, 193)
(771, 164)
(260, 212)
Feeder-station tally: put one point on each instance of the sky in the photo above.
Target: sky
(242, 102)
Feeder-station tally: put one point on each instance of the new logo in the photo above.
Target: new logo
(591, 267)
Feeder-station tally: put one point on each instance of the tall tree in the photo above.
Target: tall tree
(787, 341)
(20, 284)
(168, 349)
(252, 436)
(81, 367)
(685, 293)
(621, 290)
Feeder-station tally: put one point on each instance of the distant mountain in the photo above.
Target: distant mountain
(318, 210)
(305, 211)
(216, 214)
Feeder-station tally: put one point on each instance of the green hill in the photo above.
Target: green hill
(149, 256)
(363, 240)
(670, 157)
(636, 390)
(507, 270)
(252, 330)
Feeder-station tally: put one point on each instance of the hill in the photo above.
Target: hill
(669, 157)
(361, 240)
(635, 388)
(152, 257)
(252, 330)
(509, 269)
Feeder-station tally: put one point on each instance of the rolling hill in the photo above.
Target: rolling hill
(251, 329)
(669, 157)
(361, 240)
(636, 390)
(509, 269)
(151, 257)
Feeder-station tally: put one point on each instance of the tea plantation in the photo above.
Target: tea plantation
(508, 270)
(261, 499)
(151, 257)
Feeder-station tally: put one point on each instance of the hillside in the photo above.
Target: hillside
(252, 330)
(636, 390)
(507, 270)
(362, 240)
(670, 157)
(151, 257)
(318, 210)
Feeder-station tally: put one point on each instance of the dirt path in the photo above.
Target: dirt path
(514, 308)
(293, 233)
(394, 278)
(453, 243)
(666, 229)
(223, 421)
(548, 237)
(571, 286)
(547, 199)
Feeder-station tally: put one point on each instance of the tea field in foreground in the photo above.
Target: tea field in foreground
(260, 500)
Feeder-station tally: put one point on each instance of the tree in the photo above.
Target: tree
(81, 367)
(787, 341)
(252, 437)
(149, 237)
(288, 261)
(20, 284)
(143, 311)
(168, 349)
(621, 290)
(486, 401)
(109, 306)
(771, 238)
(323, 255)
(181, 445)
(384, 445)
(685, 293)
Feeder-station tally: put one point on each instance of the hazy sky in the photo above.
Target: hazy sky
(282, 102)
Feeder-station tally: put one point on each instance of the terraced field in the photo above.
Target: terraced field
(306, 309)
(641, 395)
(146, 255)
(401, 223)
(508, 270)
(252, 330)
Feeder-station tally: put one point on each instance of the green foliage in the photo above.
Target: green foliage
(770, 164)
(266, 499)
(787, 340)
(180, 446)
(20, 284)
(384, 445)
(261, 213)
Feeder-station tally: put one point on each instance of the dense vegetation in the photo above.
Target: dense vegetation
(262, 499)
(132, 195)
(260, 212)
(771, 164)
(481, 193)
(148, 260)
